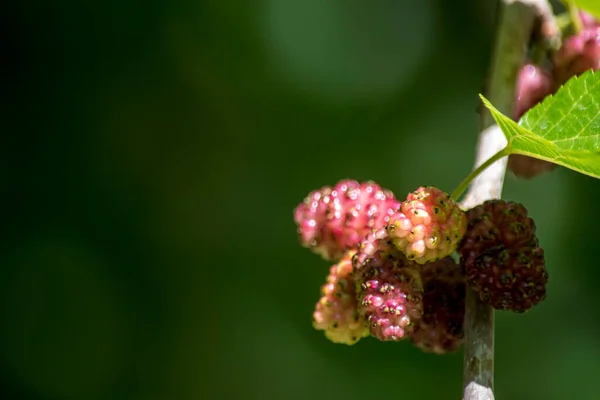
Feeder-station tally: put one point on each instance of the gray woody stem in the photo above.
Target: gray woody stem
(518, 20)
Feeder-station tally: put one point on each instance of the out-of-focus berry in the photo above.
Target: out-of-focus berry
(440, 329)
(588, 20)
(528, 167)
(533, 85)
(578, 53)
(333, 220)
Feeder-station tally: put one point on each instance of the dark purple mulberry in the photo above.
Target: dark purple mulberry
(502, 257)
(440, 329)
(510, 279)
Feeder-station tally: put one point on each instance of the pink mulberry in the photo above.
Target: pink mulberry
(428, 226)
(579, 53)
(333, 220)
(533, 85)
(389, 288)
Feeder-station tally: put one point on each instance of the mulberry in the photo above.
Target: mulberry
(333, 220)
(389, 288)
(440, 329)
(428, 226)
(578, 53)
(533, 85)
(336, 312)
(502, 257)
(510, 279)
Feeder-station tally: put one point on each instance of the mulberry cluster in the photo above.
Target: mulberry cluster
(502, 257)
(336, 312)
(396, 279)
(334, 219)
(393, 246)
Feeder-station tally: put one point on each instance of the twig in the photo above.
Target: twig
(478, 362)
(488, 184)
(575, 18)
(517, 21)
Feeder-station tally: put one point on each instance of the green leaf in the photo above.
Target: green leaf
(563, 129)
(591, 6)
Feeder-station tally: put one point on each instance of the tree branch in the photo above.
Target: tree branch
(518, 20)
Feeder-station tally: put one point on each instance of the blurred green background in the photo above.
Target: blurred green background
(152, 153)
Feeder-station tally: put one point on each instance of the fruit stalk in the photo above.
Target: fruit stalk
(464, 185)
(574, 14)
(517, 20)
